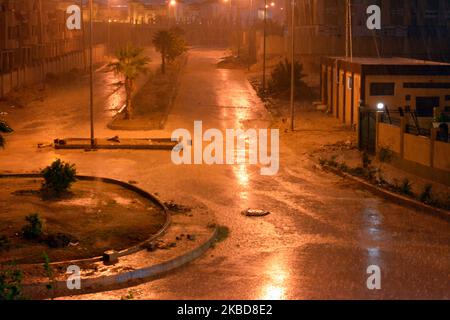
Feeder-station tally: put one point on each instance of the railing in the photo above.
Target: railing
(412, 125)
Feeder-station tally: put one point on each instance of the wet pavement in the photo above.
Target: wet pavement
(321, 236)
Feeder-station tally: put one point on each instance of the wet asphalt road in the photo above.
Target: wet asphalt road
(320, 237)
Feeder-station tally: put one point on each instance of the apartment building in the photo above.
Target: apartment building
(33, 30)
(413, 28)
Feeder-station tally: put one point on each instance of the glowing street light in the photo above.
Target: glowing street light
(380, 106)
(173, 3)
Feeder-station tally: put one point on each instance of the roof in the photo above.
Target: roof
(391, 66)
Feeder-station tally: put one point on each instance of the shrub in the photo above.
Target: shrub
(11, 284)
(58, 240)
(33, 230)
(50, 275)
(332, 162)
(4, 128)
(358, 171)
(385, 154)
(366, 161)
(405, 187)
(4, 243)
(343, 167)
(59, 177)
(280, 81)
(425, 196)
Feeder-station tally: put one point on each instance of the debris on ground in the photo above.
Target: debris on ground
(191, 237)
(44, 145)
(174, 207)
(114, 139)
(132, 182)
(255, 213)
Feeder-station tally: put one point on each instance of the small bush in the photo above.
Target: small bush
(280, 81)
(50, 275)
(332, 162)
(358, 171)
(343, 167)
(33, 230)
(4, 128)
(4, 243)
(11, 284)
(425, 196)
(366, 161)
(59, 177)
(58, 240)
(385, 154)
(406, 187)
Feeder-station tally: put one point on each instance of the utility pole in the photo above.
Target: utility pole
(250, 35)
(109, 26)
(83, 35)
(348, 30)
(91, 72)
(292, 63)
(41, 42)
(264, 48)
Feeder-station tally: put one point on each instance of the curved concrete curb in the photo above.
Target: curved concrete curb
(124, 185)
(121, 280)
(437, 212)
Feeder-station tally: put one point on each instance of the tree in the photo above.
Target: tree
(129, 64)
(281, 77)
(170, 44)
(4, 128)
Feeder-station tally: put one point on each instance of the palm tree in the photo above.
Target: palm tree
(4, 128)
(163, 42)
(129, 64)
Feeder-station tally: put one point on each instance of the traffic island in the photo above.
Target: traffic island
(191, 233)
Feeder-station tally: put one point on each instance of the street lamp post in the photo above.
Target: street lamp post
(172, 4)
(41, 42)
(292, 64)
(264, 48)
(91, 72)
(109, 26)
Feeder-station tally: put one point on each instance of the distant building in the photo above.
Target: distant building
(413, 28)
(32, 30)
(417, 85)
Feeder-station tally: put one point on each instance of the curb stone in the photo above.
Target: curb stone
(125, 279)
(437, 212)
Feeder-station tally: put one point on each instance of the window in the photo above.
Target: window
(382, 89)
(426, 85)
(426, 105)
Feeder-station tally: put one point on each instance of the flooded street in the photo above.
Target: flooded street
(322, 234)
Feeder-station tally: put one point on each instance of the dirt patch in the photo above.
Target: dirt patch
(100, 216)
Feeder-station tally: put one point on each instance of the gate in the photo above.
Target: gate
(367, 130)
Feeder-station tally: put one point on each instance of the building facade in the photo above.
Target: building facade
(33, 30)
(413, 28)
